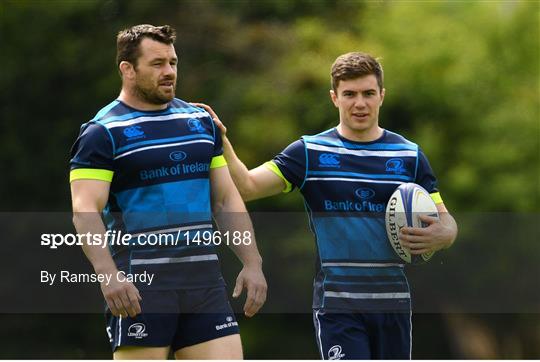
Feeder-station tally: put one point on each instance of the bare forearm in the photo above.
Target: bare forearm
(252, 184)
(450, 225)
(90, 223)
(247, 251)
(232, 216)
(89, 198)
(239, 172)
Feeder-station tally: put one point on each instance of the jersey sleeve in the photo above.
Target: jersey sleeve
(425, 177)
(92, 154)
(290, 165)
(217, 157)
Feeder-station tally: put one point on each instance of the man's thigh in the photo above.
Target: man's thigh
(200, 316)
(154, 327)
(228, 347)
(341, 336)
(363, 335)
(391, 335)
(141, 353)
(207, 320)
(145, 331)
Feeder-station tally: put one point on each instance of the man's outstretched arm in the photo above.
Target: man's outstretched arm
(231, 215)
(252, 184)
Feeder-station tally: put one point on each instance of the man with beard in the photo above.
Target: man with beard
(149, 164)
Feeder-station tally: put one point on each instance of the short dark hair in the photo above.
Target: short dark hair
(128, 40)
(354, 65)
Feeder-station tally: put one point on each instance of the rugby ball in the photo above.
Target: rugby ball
(406, 204)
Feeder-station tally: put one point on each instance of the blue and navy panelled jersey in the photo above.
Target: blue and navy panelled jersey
(158, 164)
(346, 186)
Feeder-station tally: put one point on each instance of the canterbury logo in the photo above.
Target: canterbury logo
(329, 160)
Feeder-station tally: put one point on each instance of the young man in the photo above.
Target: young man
(361, 300)
(152, 165)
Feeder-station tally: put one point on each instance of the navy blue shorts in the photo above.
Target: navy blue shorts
(363, 335)
(176, 318)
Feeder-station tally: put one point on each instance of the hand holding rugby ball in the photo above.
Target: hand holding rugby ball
(406, 204)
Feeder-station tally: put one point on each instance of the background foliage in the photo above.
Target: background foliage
(462, 80)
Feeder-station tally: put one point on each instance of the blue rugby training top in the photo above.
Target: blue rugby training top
(346, 186)
(158, 164)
